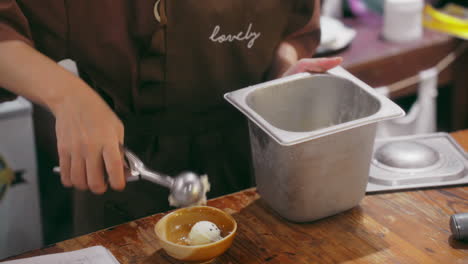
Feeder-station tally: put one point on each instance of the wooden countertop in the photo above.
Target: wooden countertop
(398, 227)
(383, 62)
(380, 63)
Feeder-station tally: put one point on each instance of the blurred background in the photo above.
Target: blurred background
(407, 49)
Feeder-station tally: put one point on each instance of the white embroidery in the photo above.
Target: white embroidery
(249, 36)
(156, 11)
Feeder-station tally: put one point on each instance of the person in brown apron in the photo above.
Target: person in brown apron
(162, 66)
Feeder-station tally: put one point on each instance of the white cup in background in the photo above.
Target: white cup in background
(402, 20)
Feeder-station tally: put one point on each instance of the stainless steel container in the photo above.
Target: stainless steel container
(312, 137)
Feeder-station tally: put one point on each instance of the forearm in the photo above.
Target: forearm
(287, 54)
(28, 73)
(292, 58)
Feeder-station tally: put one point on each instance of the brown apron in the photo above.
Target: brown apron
(200, 50)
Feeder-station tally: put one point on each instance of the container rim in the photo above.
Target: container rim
(387, 109)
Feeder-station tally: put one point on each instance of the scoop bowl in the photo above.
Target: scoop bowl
(172, 231)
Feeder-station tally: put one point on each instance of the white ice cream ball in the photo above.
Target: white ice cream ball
(204, 232)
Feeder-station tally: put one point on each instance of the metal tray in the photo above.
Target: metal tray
(446, 163)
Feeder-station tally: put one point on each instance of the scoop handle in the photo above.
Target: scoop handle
(128, 178)
(136, 173)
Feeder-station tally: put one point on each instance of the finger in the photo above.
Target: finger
(317, 65)
(64, 161)
(114, 166)
(78, 173)
(321, 64)
(95, 173)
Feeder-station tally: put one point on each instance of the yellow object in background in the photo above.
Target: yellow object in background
(6, 177)
(452, 19)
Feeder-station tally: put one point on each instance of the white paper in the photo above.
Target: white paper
(335, 35)
(91, 255)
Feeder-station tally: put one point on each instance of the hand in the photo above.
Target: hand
(313, 65)
(89, 136)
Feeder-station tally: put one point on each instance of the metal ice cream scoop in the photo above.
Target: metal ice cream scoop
(187, 188)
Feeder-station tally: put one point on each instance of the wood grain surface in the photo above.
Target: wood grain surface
(398, 227)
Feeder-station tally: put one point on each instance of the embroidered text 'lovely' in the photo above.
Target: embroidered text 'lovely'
(249, 36)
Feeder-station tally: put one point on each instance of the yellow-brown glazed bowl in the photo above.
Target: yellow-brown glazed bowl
(173, 229)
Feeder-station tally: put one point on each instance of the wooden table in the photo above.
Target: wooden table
(398, 227)
(380, 63)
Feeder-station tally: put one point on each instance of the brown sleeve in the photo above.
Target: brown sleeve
(304, 26)
(13, 26)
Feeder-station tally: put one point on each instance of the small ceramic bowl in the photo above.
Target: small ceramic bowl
(173, 229)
